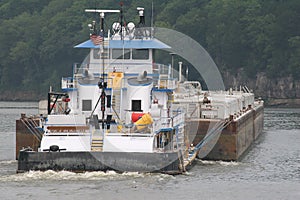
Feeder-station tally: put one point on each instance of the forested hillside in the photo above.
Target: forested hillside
(246, 38)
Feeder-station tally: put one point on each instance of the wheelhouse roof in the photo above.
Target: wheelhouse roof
(127, 44)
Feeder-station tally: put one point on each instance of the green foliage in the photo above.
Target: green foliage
(294, 62)
(37, 36)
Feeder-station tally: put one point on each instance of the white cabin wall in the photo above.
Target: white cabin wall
(128, 144)
(54, 120)
(70, 143)
(162, 98)
(140, 93)
(73, 104)
(88, 92)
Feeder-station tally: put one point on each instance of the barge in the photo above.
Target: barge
(121, 111)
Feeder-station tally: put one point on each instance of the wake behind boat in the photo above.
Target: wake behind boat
(120, 111)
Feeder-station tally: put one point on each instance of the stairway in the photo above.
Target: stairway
(116, 103)
(97, 143)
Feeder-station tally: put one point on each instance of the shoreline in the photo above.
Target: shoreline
(282, 103)
(22, 96)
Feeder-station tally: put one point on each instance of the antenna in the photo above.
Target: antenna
(121, 19)
(152, 21)
(101, 14)
(101, 11)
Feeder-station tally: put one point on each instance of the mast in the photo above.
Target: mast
(151, 33)
(99, 40)
(121, 19)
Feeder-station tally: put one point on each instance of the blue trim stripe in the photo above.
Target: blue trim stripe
(69, 89)
(162, 90)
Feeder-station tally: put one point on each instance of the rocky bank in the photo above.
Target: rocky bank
(283, 92)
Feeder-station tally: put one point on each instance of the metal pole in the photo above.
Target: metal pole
(172, 63)
(180, 71)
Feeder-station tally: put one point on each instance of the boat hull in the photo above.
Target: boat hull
(99, 161)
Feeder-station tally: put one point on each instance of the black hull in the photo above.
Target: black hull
(99, 161)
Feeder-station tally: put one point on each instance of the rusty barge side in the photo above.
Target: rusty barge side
(236, 138)
(24, 136)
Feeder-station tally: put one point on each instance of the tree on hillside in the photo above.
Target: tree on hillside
(37, 36)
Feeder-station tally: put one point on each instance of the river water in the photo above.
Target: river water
(270, 170)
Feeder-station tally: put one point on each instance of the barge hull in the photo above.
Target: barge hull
(24, 138)
(99, 161)
(235, 139)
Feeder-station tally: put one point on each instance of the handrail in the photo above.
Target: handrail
(37, 134)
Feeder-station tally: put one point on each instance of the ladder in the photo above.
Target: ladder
(179, 134)
(163, 81)
(180, 137)
(104, 54)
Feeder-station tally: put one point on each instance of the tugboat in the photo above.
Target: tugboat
(121, 111)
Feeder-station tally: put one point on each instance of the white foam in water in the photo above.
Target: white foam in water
(229, 163)
(67, 175)
(7, 162)
(223, 163)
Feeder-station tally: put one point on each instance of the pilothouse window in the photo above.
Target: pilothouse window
(118, 53)
(140, 54)
(96, 54)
